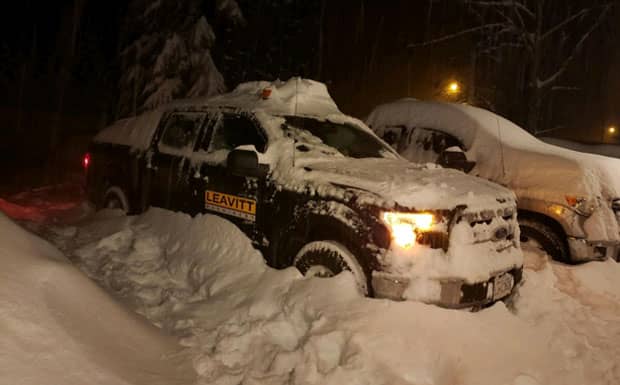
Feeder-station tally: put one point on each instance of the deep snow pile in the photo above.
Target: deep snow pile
(58, 327)
(246, 323)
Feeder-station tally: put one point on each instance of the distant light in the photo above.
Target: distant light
(86, 160)
(453, 88)
(611, 130)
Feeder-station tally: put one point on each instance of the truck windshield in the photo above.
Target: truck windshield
(346, 139)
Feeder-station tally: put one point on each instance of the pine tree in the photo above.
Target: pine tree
(167, 53)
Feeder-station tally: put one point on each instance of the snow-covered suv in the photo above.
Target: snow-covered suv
(318, 190)
(569, 202)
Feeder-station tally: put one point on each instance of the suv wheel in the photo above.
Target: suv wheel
(326, 259)
(115, 198)
(544, 237)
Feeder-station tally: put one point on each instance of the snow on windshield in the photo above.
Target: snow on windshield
(346, 139)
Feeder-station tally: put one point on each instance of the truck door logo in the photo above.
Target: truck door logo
(233, 205)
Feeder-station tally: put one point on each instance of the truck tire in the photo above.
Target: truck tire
(327, 259)
(549, 240)
(115, 198)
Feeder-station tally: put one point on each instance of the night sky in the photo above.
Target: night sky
(61, 72)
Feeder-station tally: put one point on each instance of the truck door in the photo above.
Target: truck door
(169, 164)
(234, 197)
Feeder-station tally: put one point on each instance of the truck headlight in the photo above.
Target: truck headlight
(405, 226)
(582, 206)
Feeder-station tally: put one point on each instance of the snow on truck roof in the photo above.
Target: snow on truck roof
(295, 96)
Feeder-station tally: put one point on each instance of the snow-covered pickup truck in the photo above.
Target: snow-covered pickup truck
(569, 202)
(316, 189)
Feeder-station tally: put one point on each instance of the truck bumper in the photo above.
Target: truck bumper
(455, 294)
(583, 250)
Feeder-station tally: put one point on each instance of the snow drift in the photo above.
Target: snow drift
(247, 323)
(58, 327)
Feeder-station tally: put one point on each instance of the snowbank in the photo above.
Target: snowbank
(246, 323)
(57, 327)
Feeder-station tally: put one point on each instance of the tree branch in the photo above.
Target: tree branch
(503, 3)
(455, 35)
(553, 78)
(560, 25)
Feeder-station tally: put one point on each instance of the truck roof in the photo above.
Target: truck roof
(295, 96)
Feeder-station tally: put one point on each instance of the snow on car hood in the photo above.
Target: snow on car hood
(415, 186)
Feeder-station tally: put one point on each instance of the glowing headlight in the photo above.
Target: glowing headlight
(582, 206)
(404, 226)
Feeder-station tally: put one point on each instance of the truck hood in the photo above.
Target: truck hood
(411, 185)
(543, 171)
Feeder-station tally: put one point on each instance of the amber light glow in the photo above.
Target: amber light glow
(404, 226)
(611, 130)
(453, 88)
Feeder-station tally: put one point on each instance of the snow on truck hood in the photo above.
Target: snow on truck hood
(505, 152)
(415, 186)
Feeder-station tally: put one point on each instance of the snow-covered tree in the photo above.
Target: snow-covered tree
(167, 53)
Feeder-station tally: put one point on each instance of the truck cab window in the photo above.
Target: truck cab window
(181, 131)
(233, 131)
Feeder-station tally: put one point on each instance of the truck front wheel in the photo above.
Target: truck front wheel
(544, 237)
(326, 259)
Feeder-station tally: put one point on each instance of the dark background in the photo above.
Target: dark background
(60, 68)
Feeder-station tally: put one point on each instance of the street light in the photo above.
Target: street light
(611, 130)
(453, 88)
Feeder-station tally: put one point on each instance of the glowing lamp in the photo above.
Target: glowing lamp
(405, 226)
(453, 88)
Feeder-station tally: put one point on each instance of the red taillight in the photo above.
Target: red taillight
(86, 160)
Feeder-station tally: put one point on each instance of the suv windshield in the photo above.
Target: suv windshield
(347, 139)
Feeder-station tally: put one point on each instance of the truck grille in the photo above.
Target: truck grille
(434, 239)
(498, 226)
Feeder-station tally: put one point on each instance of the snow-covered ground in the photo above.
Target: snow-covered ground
(58, 327)
(242, 322)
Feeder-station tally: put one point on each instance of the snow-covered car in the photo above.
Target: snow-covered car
(569, 202)
(316, 189)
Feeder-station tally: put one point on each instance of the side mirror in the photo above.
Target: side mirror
(456, 159)
(245, 163)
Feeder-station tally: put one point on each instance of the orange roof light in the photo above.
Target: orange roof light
(266, 93)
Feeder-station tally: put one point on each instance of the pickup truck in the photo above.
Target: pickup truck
(315, 189)
(568, 201)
